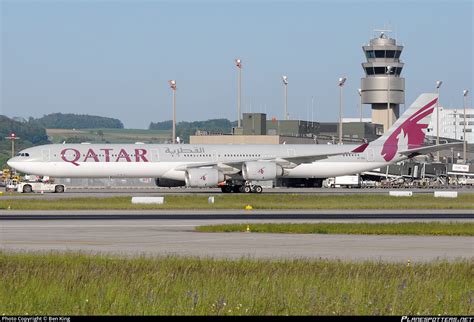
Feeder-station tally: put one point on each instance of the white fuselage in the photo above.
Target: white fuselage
(168, 161)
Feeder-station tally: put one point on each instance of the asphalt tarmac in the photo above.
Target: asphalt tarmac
(222, 214)
(102, 192)
(176, 236)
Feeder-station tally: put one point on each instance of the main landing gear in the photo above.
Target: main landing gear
(245, 187)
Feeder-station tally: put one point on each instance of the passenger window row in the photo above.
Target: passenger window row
(241, 155)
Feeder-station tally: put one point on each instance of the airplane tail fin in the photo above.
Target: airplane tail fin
(408, 131)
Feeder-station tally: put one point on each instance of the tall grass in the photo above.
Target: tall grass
(405, 228)
(239, 201)
(68, 284)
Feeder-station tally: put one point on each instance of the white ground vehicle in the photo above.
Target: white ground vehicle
(10, 186)
(344, 181)
(465, 180)
(28, 187)
(370, 184)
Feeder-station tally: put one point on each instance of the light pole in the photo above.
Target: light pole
(285, 84)
(238, 63)
(455, 124)
(389, 69)
(464, 93)
(342, 80)
(438, 85)
(12, 137)
(173, 88)
(360, 103)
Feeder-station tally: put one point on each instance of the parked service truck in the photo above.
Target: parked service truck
(352, 181)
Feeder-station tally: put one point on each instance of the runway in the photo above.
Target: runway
(153, 237)
(173, 237)
(290, 214)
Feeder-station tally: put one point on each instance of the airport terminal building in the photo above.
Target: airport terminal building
(451, 124)
(256, 129)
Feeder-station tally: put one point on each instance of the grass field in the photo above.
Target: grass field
(263, 201)
(409, 228)
(70, 284)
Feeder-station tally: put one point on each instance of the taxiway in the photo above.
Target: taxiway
(135, 236)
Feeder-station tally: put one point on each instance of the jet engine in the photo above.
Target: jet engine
(203, 177)
(260, 170)
(161, 182)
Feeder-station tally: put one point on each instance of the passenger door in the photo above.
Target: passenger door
(46, 155)
(370, 155)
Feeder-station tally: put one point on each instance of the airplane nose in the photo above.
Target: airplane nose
(12, 163)
(18, 165)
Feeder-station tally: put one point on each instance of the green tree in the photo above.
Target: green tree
(78, 121)
(185, 129)
(29, 133)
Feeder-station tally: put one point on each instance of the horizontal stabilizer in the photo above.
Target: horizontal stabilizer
(430, 149)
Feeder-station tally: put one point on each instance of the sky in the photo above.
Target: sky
(114, 58)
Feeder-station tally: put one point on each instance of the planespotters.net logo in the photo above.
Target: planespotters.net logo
(437, 319)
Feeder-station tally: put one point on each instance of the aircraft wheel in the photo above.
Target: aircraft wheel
(258, 189)
(247, 189)
(226, 189)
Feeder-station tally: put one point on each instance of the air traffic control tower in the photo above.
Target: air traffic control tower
(382, 86)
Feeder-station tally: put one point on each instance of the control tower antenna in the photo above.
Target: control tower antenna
(382, 32)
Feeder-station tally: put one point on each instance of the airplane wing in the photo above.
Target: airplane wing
(311, 158)
(237, 164)
(289, 162)
(429, 149)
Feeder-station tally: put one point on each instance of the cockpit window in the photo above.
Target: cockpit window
(22, 154)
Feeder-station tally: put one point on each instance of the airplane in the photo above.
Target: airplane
(233, 167)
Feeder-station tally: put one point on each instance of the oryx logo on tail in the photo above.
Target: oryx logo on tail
(409, 134)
